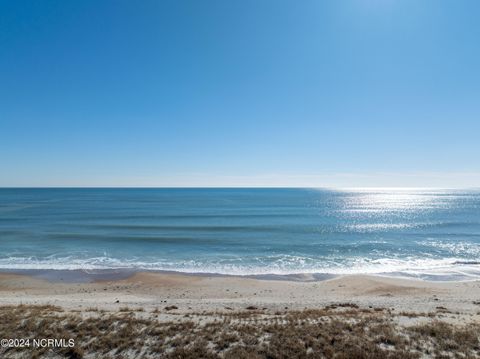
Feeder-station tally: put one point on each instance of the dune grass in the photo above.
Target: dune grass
(337, 331)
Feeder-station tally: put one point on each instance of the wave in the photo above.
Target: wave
(430, 269)
(382, 226)
(467, 262)
(458, 248)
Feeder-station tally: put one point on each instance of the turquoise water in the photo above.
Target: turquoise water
(432, 234)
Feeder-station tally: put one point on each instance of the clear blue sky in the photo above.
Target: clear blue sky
(244, 92)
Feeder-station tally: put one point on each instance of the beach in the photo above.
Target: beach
(151, 290)
(239, 180)
(159, 299)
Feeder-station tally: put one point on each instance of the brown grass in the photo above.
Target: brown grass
(338, 331)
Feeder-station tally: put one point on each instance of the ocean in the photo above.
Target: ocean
(416, 233)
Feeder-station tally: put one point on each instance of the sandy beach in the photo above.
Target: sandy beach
(206, 292)
(189, 316)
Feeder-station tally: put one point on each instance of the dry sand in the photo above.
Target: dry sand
(150, 290)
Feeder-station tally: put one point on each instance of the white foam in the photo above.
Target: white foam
(453, 268)
(456, 248)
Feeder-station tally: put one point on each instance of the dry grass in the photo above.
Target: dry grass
(338, 331)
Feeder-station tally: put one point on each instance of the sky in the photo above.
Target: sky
(351, 93)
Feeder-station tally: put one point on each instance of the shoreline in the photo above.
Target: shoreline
(93, 275)
(112, 274)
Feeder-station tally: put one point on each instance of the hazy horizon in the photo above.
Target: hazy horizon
(328, 181)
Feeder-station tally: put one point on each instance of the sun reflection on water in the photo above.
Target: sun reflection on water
(392, 200)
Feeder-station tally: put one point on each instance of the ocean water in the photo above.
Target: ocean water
(429, 234)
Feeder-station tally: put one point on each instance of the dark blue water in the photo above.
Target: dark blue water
(421, 233)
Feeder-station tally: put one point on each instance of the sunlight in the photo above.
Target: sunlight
(392, 199)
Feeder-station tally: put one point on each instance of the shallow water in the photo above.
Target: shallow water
(431, 234)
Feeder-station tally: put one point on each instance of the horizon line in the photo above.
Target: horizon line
(249, 187)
